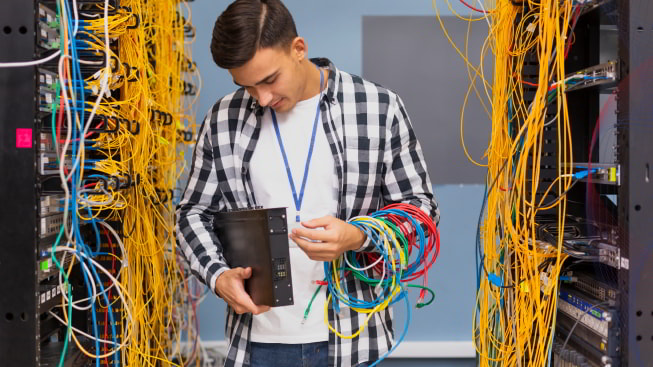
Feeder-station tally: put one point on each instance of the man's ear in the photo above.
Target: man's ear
(298, 48)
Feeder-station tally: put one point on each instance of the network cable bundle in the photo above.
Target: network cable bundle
(407, 244)
(563, 240)
(93, 134)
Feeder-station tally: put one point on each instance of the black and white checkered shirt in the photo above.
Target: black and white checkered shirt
(378, 160)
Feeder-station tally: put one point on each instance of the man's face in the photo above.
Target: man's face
(274, 76)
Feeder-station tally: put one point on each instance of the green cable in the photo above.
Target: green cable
(70, 303)
(308, 308)
(61, 231)
(399, 234)
(422, 304)
(362, 277)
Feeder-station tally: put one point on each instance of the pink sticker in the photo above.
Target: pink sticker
(23, 138)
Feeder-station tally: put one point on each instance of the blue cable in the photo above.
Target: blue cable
(376, 236)
(403, 334)
(77, 79)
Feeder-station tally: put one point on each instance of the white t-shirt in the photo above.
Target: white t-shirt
(272, 189)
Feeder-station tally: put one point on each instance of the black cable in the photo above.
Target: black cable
(556, 200)
(478, 233)
(571, 331)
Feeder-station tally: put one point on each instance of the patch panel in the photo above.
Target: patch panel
(51, 204)
(48, 163)
(47, 268)
(601, 74)
(48, 37)
(594, 288)
(50, 225)
(597, 318)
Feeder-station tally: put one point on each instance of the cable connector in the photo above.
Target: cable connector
(495, 279)
(583, 174)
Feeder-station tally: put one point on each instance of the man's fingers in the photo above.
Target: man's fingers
(303, 244)
(318, 222)
(245, 273)
(312, 234)
(249, 305)
(261, 309)
(243, 303)
(315, 250)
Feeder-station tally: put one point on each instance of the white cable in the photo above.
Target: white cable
(90, 62)
(369, 266)
(381, 258)
(29, 63)
(104, 85)
(550, 121)
(123, 264)
(88, 15)
(79, 331)
(94, 192)
(487, 15)
(107, 273)
(96, 294)
(64, 289)
(19, 64)
(76, 16)
(62, 158)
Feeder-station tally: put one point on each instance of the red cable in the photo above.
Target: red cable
(575, 19)
(106, 314)
(473, 8)
(410, 233)
(60, 115)
(432, 232)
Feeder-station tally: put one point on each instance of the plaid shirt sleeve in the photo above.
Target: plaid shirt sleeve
(201, 200)
(406, 179)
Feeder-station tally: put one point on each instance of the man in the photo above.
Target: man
(304, 135)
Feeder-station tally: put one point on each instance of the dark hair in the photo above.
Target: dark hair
(247, 26)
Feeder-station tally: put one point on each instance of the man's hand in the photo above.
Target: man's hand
(337, 237)
(231, 287)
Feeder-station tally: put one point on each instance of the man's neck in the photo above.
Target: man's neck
(312, 85)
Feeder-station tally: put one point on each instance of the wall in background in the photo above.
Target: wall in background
(334, 29)
(432, 79)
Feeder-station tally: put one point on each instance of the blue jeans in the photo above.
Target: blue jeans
(291, 355)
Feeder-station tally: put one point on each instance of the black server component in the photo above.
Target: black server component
(635, 155)
(258, 238)
(30, 190)
(51, 353)
(609, 224)
(570, 357)
(19, 290)
(590, 325)
(589, 285)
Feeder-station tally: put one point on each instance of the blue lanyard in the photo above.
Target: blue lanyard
(298, 199)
